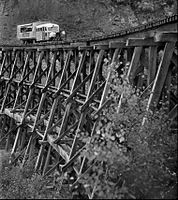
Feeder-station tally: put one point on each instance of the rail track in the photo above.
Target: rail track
(147, 30)
(50, 92)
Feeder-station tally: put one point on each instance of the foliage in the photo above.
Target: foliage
(17, 183)
(131, 161)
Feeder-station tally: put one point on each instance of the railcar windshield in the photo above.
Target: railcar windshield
(26, 28)
(53, 28)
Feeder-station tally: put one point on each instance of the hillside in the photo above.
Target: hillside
(81, 18)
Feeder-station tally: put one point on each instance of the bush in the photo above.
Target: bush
(131, 161)
(17, 183)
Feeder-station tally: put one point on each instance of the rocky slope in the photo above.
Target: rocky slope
(81, 18)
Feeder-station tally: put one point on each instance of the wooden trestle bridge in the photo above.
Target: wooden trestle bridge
(51, 92)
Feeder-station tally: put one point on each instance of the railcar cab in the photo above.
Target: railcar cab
(27, 32)
(45, 32)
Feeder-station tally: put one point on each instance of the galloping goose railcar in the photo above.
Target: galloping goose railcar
(38, 32)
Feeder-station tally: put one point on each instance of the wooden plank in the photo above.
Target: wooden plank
(28, 102)
(30, 49)
(54, 126)
(129, 53)
(41, 104)
(78, 87)
(141, 70)
(51, 117)
(108, 79)
(101, 46)
(139, 42)
(134, 64)
(65, 132)
(33, 82)
(152, 64)
(67, 111)
(173, 113)
(18, 118)
(90, 90)
(161, 76)
(88, 48)
(27, 149)
(69, 48)
(7, 146)
(72, 159)
(166, 90)
(103, 100)
(58, 148)
(90, 99)
(3, 63)
(166, 37)
(117, 45)
(65, 83)
(95, 73)
(18, 48)
(7, 48)
(174, 59)
(8, 86)
(132, 70)
(47, 160)
(21, 80)
(77, 44)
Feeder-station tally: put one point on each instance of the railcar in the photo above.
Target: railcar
(39, 32)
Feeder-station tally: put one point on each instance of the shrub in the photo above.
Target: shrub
(131, 161)
(17, 183)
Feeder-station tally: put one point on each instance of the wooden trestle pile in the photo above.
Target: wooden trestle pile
(49, 95)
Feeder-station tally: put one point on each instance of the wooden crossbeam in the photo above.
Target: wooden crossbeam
(117, 45)
(166, 37)
(8, 84)
(86, 104)
(52, 110)
(140, 42)
(161, 75)
(28, 102)
(152, 64)
(173, 113)
(78, 87)
(134, 64)
(67, 111)
(3, 63)
(73, 154)
(102, 104)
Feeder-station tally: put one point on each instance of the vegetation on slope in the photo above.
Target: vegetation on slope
(82, 18)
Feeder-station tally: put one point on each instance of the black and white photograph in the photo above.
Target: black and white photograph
(88, 99)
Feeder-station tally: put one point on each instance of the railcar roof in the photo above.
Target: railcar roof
(46, 25)
(35, 23)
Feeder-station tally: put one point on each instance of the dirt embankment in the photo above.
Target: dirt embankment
(78, 17)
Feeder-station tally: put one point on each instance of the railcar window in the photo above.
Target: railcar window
(41, 29)
(25, 29)
(44, 29)
(53, 28)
